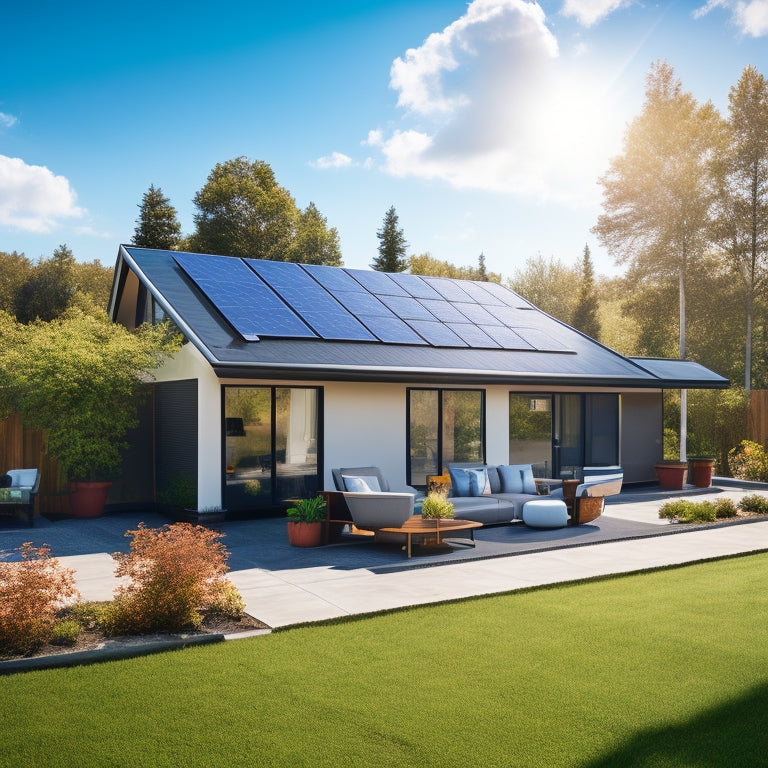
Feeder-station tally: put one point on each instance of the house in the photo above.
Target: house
(290, 370)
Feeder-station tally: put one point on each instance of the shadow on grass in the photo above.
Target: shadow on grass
(733, 734)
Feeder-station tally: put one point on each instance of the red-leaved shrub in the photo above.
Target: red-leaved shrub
(31, 592)
(175, 572)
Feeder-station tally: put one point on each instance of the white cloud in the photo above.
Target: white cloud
(589, 12)
(7, 121)
(750, 17)
(498, 109)
(334, 160)
(32, 198)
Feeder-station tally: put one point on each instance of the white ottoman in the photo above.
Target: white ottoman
(545, 513)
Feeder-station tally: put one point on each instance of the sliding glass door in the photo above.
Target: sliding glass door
(270, 446)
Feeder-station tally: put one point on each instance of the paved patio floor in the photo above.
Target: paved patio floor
(283, 585)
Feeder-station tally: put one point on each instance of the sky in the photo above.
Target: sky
(486, 124)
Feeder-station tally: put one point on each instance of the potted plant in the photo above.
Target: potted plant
(437, 507)
(79, 379)
(305, 522)
(671, 474)
(701, 470)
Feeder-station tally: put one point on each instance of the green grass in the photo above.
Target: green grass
(668, 668)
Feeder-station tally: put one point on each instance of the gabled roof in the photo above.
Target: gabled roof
(265, 319)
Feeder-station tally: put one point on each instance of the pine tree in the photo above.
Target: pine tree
(157, 225)
(392, 245)
(482, 273)
(585, 312)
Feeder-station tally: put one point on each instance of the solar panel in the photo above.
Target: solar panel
(510, 298)
(506, 337)
(311, 301)
(332, 278)
(541, 340)
(477, 314)
(407, 308)
(444, 311)
(391, 330)
(437, 334)
(474, 336)
(512, 316)
(477, 291)
(415, 286)
(448, 289)
(363, 303)
(376, 282)
(251, 307)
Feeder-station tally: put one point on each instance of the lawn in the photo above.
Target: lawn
(668, 668)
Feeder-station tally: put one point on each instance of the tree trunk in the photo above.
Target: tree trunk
(683, 392)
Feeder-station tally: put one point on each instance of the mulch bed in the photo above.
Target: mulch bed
(89, 640)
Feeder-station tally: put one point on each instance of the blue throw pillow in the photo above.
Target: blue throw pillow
(529, 484)
(511, 478)
(459, 481)
(479, 484)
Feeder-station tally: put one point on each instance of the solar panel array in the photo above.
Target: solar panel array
(275, 299)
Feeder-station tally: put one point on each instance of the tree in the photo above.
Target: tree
(392, 245)
(15, 269)
(426, 264)
(314, 243)
(242, 211)
(157, 225)
(78, 378)
(547, 284)
(585, 316)
(482, 274)
(658, 193)
(47, 292)
(94, 279)
(741, 221)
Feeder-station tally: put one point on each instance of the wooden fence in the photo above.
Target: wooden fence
(23, 448)
(757, 417)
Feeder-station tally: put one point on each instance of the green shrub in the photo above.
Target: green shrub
(307, 510)
(689, 511)
(31, 591)
(436, 505)
(724, 508)
(88, 615)
(175, 572)
(66, 632)
(748, 461)
(754, 504)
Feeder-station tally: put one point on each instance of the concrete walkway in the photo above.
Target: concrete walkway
(283, 586)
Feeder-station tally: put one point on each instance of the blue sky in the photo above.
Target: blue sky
(485, 124)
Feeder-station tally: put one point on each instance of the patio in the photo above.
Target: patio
(283, 585)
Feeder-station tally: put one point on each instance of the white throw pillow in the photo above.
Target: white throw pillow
(355, 484)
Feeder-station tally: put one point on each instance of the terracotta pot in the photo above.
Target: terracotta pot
(671, 474)
(701, 469)
(87, 499)
(305, 534)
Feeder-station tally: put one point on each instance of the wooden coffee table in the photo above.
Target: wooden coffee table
(418, 526)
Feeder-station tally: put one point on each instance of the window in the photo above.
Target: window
(530, 432)
(270, 446)
(443, 425)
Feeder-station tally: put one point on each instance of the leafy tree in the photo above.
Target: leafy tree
(314, 243)
(392, 245)
(657, 194)
(157, 225)
(48, 290)
(741, 222)
(585, 317)
(547, 284)
(94, 279)
(242, 211)
(482, 274)
(425, 264)
(78, 378)
(15, 269)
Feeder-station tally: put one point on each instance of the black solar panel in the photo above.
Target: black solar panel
(285, 300)
(437, 334)
(319, 309)
(250, 306)
(376, 282)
